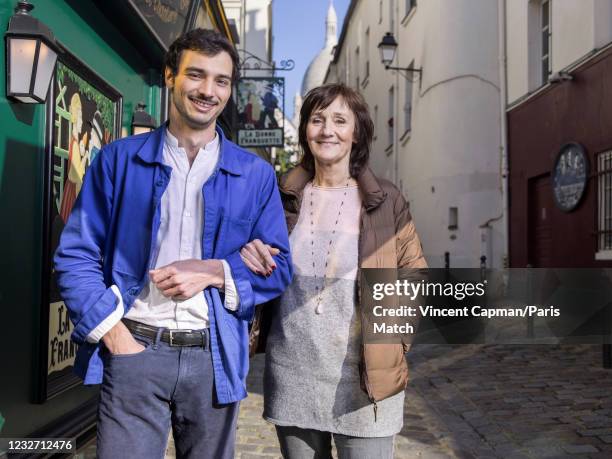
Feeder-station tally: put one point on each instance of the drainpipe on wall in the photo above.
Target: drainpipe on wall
(504, 126)
(486, 233)
(243, 13)
(396, 102)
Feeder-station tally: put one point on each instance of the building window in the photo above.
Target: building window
(390, 130)
(545, 40)
(604, 205)
(357, 82)
(408, 103)
(539, 39)
(375, 122)
(366, 53)
(347, 68)
(409, 5)
(453, 218)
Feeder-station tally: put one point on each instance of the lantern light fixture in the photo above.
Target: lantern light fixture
(141, 121)
(31, 54)
(387, 48)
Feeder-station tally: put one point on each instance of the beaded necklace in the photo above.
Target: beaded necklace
(319, 293)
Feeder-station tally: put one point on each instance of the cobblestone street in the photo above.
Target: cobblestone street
(473, 401)
(484, 402)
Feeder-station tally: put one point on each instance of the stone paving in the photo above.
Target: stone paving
(484, 401)
(481, 402)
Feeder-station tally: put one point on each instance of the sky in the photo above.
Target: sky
(299, 33)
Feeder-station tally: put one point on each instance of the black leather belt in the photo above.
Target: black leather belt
(171, 336)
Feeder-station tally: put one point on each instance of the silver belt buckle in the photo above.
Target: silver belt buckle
(172, 332)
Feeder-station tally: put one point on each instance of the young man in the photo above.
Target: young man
(150, 269)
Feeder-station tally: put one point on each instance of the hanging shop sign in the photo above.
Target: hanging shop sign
(569, 176)
(260, 101)
(165, 19)
(83, 115)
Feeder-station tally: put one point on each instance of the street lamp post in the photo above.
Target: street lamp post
(31, 53)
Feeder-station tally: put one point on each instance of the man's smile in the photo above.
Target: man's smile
(202, 105)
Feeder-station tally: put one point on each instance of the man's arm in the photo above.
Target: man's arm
(78, 258)
(271, 229)
(184, 279)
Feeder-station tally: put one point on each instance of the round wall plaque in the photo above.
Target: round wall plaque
(569, 176)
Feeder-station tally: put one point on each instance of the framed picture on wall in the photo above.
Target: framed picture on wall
(260, 101)
(83, 115)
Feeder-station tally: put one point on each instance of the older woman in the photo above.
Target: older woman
(321, 379)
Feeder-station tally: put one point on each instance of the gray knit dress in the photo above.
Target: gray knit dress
(311, 376)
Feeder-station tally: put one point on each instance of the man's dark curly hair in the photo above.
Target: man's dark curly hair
(208, 42)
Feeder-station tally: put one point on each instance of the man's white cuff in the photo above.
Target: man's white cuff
(231, 294)
(113, 318)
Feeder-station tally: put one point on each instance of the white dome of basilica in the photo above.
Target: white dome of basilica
(315, 73)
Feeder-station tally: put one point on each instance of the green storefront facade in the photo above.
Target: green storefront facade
(111, 60)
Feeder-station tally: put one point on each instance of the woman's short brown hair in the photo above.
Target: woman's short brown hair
(319, 99)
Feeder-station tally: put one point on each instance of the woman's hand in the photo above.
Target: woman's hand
(258, 257)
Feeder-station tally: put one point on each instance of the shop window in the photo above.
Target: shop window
(604, 206)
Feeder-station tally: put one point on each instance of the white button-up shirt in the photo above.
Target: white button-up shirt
(179, 238)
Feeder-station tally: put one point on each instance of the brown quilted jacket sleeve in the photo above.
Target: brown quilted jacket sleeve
(409, 249)
(411, 263)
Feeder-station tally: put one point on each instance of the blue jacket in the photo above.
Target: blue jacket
(110, 239)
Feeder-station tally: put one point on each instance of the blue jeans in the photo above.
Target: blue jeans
(144, 394)
(297, 443)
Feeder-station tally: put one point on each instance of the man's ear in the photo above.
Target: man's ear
(169, 77)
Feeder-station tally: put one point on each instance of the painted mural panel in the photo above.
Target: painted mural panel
(83, 116)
